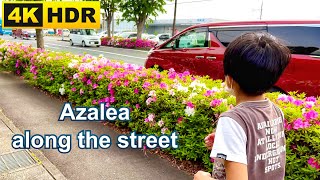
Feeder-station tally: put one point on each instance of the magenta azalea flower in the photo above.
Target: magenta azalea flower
(190, 105)
(313, 163)
(95, 86)
(179, 120)
(311, 99)
(146, 85)
(311, 115)
(73, 89)
(298, 102)
(163, 85)
(300, 124)
(215, 102)
(136, 91)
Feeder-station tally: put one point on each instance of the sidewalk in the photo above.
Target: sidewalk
(30, 109)
(22, 164)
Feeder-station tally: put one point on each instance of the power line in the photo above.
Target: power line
(195, 1)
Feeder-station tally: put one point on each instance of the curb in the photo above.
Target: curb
(37, 155)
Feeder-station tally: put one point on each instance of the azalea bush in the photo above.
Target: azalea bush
(163, 102)
(127, 42)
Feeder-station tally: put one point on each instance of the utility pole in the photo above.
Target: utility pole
(113, 24)
(174, 18)
(261, 9)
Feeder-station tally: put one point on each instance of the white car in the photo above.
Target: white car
(84, 37)
(103, 34)
(128, 35)
(66, 32)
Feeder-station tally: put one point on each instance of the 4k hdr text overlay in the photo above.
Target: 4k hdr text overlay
(39, 14)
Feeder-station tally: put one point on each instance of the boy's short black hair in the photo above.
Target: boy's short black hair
(256, 61)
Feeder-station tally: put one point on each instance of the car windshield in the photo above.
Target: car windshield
(89, 32)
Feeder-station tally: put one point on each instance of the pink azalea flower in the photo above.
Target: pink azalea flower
(309, 104)
(89, 82)
(81, 91)
(215, 102)
(137, 106)
(112, 99)
(179, 120)
(313, 163)
(298, 102)
(100, 77)
(287, 126)
(311, 99)
(163, 85)
(164, 130)
(146, 85)
(299, 124)
(71, 82)
(190, 105)
(127, 102)
(73, 89)
(126, 83)
(208, 93)
(95, 86)
(311, 115)
(136, 91)
(94, 101)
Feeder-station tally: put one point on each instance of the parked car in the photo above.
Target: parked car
(199, 49)
(48, 32)
(103, 34)
(128, 35)
(66, 32)
(84, 37)
(24, 33)
(163, 37)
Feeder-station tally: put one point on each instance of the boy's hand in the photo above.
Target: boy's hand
(200, 175)
(209, 140)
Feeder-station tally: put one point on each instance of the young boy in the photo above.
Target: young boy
(249, 141)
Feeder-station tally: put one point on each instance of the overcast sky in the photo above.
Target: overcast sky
(242, 9)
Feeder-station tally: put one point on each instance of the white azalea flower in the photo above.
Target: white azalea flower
(171, 92)
(189, 111)
(161, 123)
(62, 90)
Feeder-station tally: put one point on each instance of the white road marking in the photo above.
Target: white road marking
(97, 51)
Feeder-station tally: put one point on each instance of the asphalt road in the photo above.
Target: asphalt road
(56, 44)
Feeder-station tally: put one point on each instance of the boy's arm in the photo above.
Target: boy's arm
(229, 151)
(236, 171)
(201, 175)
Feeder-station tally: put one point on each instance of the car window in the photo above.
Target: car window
(226, 35)
(193, 39)
(299, 39)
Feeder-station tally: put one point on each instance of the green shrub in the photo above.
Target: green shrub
(162, 102)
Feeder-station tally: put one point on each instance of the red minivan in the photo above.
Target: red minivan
(199, 49)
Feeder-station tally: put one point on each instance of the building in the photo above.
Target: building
(165, 26)
(158, 26)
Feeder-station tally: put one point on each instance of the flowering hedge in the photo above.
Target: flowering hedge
(162, 102)
(127, 42)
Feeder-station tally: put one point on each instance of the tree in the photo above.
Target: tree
(140, 11)
(109, 7)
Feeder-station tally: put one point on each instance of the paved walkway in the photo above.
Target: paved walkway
(30, 109)
(22, 164)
